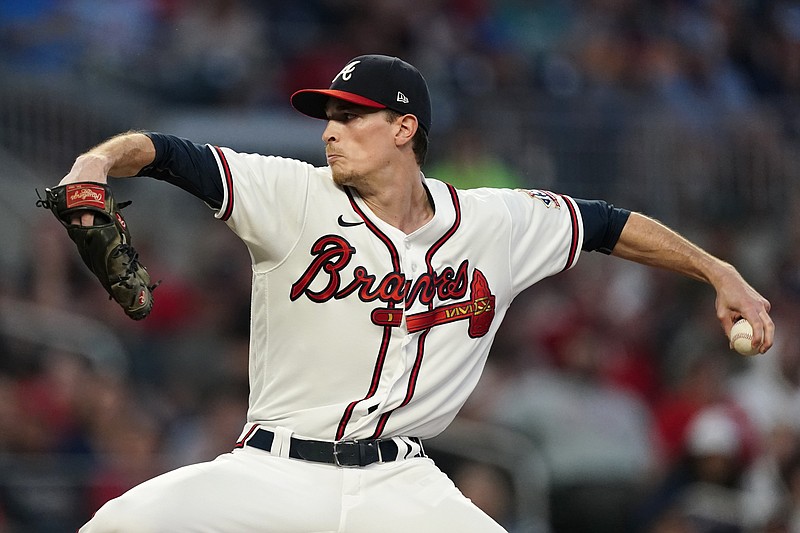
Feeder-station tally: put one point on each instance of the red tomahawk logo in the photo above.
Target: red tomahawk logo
(479, 310)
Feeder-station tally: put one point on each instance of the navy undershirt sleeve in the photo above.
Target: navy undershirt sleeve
(602, 224)
(187, 165)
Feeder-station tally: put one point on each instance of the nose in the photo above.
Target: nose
(329, 134)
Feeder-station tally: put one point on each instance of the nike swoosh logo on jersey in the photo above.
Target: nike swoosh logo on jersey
(345, 224)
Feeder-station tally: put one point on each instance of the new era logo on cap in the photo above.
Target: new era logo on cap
(373, 81)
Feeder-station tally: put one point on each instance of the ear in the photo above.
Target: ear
(407, 127)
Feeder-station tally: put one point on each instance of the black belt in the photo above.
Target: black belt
(340, 453)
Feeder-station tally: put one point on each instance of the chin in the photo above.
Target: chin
(344, 178)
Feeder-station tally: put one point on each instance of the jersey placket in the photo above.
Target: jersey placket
(401, 388)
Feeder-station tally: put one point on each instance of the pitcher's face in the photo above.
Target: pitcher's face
(359, 141)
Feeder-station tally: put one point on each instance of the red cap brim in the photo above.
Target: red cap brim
(312, 102)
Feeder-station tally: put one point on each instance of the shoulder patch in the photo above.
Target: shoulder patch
(546, 197)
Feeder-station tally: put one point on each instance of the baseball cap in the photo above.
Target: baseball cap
(377, 81)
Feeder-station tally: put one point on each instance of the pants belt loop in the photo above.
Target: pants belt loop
(402, 447)
(282, 442)
(407, 447)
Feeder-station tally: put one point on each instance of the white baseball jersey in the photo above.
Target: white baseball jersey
(361, 331)
(358, 331)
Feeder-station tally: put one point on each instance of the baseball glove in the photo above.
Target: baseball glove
(105, 247)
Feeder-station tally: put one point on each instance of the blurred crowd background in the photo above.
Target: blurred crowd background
(610, 402)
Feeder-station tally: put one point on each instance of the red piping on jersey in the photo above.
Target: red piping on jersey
(573, 249)
(226, 214)
(415, 370)
(252, 430)
(444, 238)
(387, 330)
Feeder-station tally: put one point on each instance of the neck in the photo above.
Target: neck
(402, 203)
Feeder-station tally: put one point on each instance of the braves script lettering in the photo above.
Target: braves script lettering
(333, 253)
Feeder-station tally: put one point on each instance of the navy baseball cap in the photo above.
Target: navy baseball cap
(378, 81)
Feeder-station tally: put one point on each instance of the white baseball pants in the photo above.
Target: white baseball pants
(250, 490)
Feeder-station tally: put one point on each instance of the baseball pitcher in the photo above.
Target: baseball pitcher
(376, 294)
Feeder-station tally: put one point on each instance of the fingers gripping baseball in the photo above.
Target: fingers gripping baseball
(736, 299)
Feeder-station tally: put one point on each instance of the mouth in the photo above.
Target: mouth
(331, 158)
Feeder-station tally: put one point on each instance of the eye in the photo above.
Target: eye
(343, 116)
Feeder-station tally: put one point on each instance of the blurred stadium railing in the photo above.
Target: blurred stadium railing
(662, 160)
(49, 328)
(513, 454)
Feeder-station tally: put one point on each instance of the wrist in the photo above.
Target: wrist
(88, 167)
(720, 271)
(95, 164)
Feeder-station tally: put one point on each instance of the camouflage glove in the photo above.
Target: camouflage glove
(104, 247)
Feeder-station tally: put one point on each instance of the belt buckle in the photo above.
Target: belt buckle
(344, 449)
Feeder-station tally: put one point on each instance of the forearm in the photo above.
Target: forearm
(649, 242)
(120, 156)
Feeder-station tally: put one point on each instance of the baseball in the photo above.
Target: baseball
(741, 335)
